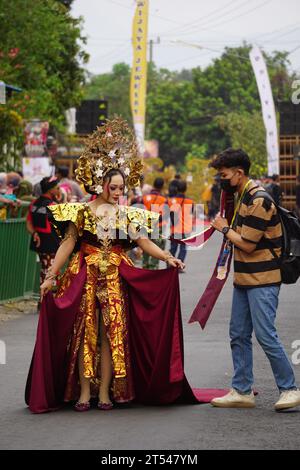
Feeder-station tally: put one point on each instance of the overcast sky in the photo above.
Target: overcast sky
(214, 24)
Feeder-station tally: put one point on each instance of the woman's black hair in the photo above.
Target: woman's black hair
(108, 176)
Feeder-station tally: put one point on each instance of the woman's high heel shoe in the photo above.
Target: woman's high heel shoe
(105, 406)
(82, 406)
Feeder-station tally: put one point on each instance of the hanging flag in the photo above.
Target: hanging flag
(138, 84)
(268, 108)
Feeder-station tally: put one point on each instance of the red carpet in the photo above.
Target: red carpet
(205, 395)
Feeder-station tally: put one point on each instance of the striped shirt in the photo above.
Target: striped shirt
(257, 223)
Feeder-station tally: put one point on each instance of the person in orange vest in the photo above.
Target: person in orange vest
(155, 201)
(181, 214)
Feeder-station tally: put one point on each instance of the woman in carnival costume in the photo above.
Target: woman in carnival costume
(110, 330)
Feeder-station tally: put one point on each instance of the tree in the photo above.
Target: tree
(228, 86)
(168, 109)
(247, 131)
(197, 152)
(11, 138)
(41, 52)
(67, 3)
(114, 87)
(201, 106)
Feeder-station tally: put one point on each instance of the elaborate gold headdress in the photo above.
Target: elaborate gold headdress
(111, 146)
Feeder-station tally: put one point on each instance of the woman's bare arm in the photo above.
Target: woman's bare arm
(151, 249)
(65, 249)
(62, 255)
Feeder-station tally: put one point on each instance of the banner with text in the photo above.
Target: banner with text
(138, 85)
(268, 108)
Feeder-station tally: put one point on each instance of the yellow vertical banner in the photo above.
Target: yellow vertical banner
(138, 85)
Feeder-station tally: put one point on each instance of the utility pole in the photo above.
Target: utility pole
(151, 44)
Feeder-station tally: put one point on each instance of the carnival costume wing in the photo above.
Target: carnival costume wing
(60, 216)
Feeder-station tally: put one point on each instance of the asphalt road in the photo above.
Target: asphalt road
(207, 364)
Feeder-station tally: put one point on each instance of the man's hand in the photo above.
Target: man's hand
(219, 223)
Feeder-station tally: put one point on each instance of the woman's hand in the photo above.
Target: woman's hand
(149, 247)
(36, 239)
(46, 287)
(175, 263)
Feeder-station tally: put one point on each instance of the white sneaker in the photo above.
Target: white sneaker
(233, 399)
(288, 399)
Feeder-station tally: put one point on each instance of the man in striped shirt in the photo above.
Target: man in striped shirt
(256, 236)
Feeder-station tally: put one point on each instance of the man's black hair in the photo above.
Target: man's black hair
(46, 184)
(232, 158)
(182, 186)
(173, 189)
(158, 183)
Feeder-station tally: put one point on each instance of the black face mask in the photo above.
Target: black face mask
(226, 186)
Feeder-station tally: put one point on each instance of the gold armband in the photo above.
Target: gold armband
(69, 235)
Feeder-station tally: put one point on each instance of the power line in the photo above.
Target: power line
(184, 28)
(150, 14)
(113, 54)
(186, 59)
(294, 50)
(187, 33)
(277, 30)
(285, 34)
(232, 54)
(244, 13)
(198, 21)
(188, 25)
(202, 26)
(111, 40)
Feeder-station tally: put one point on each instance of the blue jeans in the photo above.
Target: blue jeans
(255, 309)
(182, 250)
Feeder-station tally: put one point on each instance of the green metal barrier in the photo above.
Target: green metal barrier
(19, 269)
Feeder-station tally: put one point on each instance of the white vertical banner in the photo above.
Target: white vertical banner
(71, 120)
(268, 108)
(2, 93)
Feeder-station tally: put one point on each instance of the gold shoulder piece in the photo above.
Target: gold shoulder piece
(68, 212)
(140, 218)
